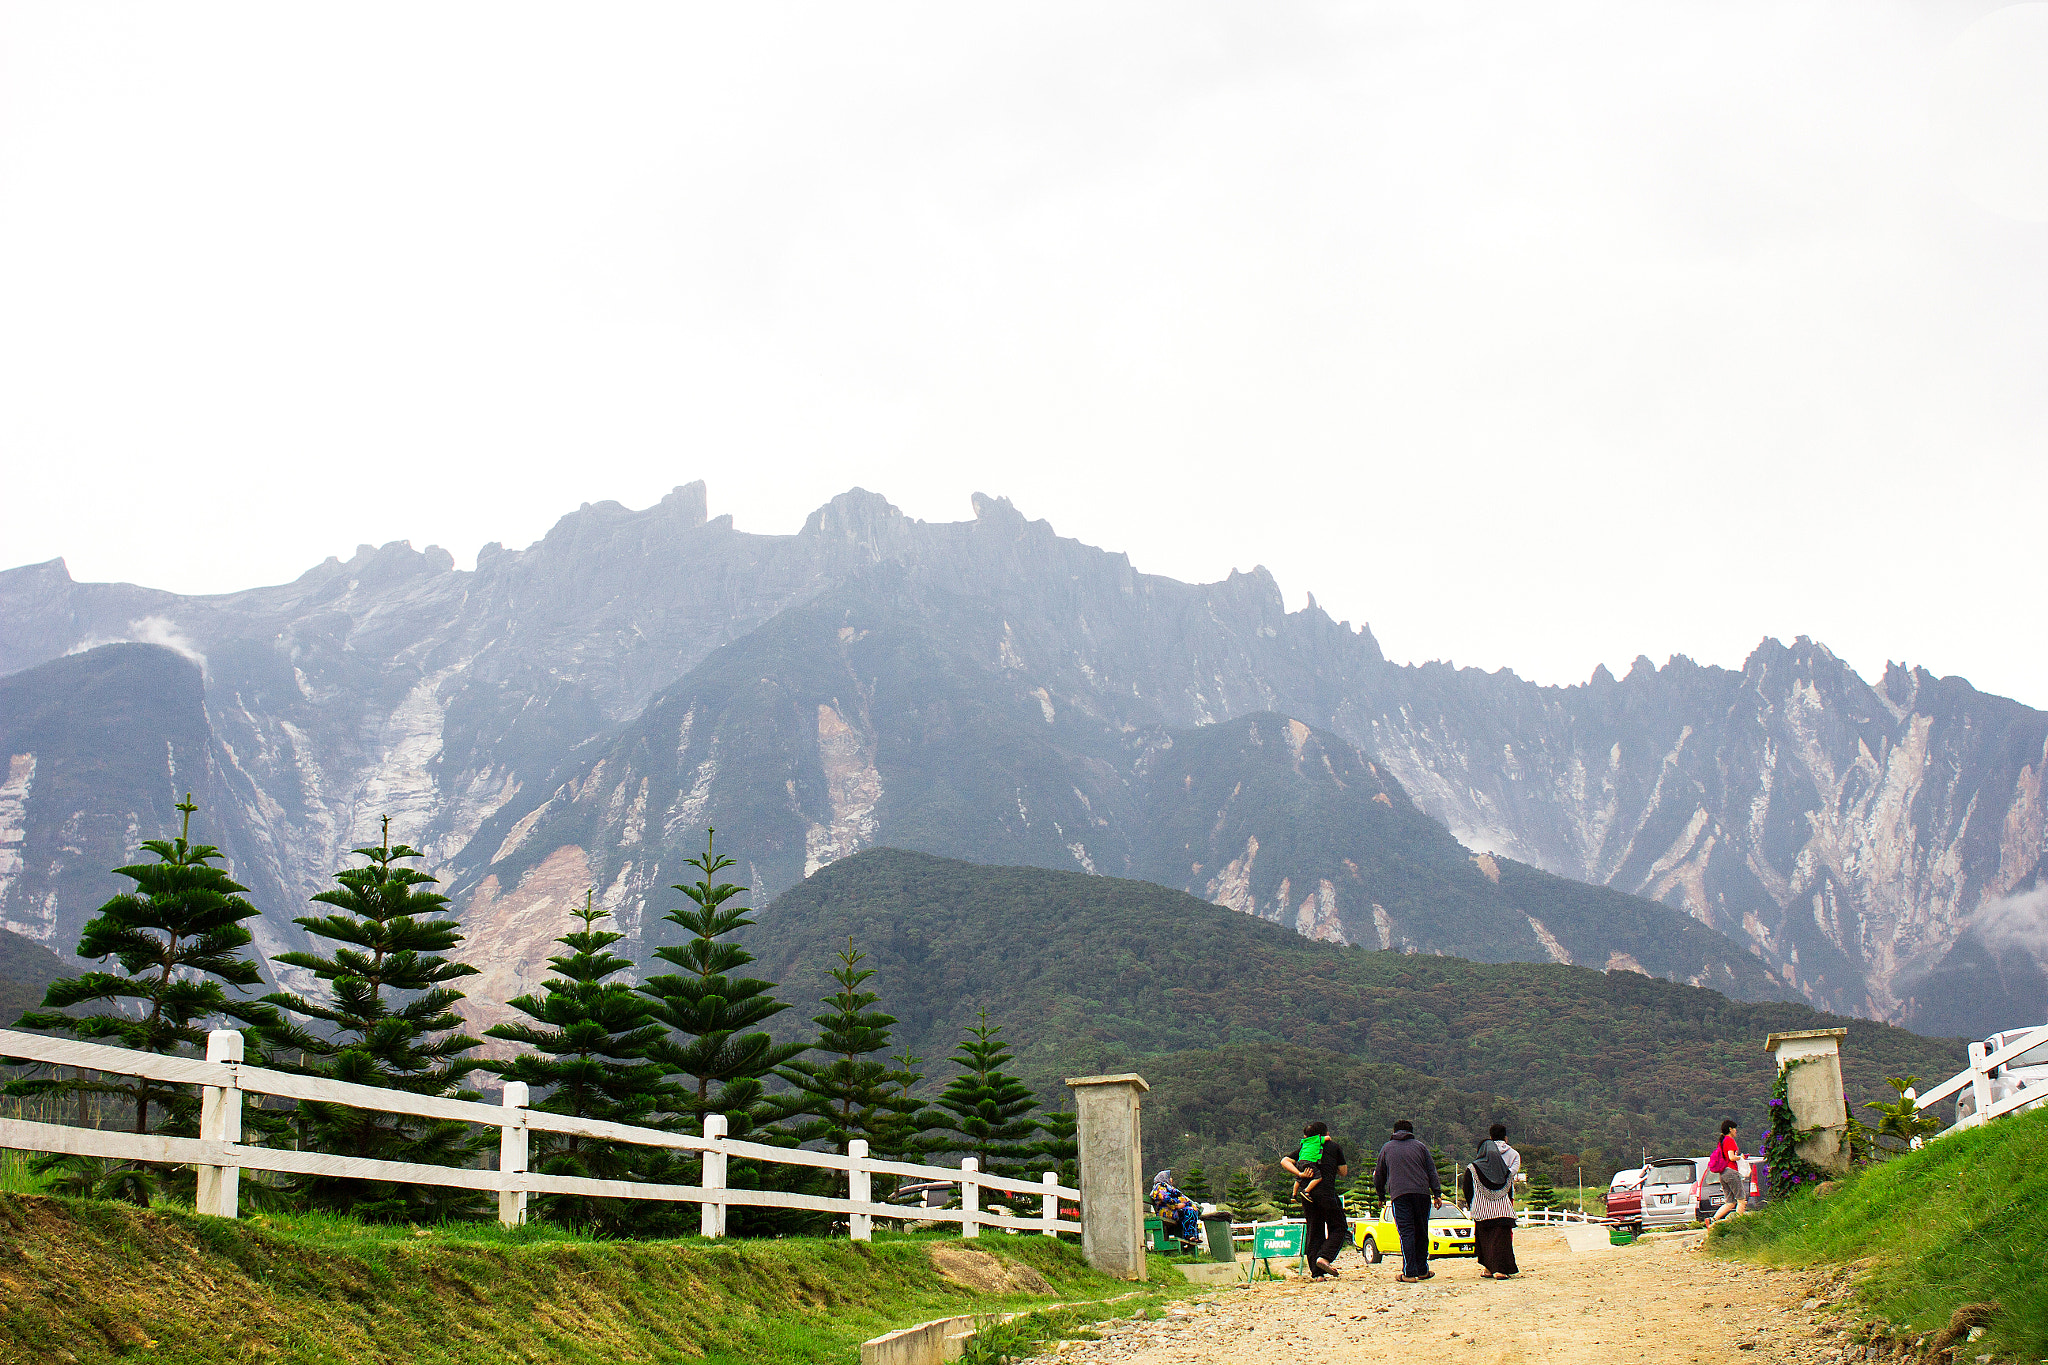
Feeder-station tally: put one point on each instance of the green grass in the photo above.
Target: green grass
(15, 1175)
(1963, 1220)
(85, 1282)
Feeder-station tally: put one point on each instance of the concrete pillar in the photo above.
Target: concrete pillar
(1112, 1173)
(1813, 1093)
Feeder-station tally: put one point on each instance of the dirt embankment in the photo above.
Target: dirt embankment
(1657, 1301)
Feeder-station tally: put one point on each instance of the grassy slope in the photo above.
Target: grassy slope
(1100, 974)
(1964, 1219)
(85, 1281)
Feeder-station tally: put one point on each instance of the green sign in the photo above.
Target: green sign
(1277, 1239)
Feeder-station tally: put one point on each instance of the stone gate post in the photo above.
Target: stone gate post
(1813, 1092)
(1112, 1172)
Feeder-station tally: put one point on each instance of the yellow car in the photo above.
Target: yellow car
(1450, 1234)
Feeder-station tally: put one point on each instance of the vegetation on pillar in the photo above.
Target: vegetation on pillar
(587, 1036)
(388, 1020)
(989, 1111)
(1789, 1170)
(715, 1046)
(177, 937)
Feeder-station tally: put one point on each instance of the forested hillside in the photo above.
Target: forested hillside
(1096, 974)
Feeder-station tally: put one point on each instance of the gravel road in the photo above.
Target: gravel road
(1659, 1300)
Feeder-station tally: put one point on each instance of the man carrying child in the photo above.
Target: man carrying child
(1317, 1165)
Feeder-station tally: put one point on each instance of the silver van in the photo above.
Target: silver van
(1669, 1187)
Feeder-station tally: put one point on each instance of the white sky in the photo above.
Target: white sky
(1536, 334)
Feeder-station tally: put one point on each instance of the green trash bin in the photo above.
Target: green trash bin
(1216, 1229)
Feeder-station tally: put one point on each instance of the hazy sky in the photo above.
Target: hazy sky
(1535, 334)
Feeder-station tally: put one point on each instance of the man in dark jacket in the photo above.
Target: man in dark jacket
(1405, 1175)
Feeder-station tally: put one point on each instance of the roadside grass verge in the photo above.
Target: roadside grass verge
(84, 1281)
(1963, 1220)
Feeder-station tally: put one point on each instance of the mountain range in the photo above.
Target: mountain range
(578, 712)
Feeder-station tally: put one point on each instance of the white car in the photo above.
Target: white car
(2028, 1071)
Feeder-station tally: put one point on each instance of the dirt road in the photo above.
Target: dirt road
(1657, 1301)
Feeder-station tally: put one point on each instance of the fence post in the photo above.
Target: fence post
(1980, 1083)
(220, 1120)
(513, 1138)
(711, 1216)
(1049, 1203)
(970, 1197)
(860, 1226)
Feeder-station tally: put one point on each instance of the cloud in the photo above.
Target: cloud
(149, 630)
(2016, 921)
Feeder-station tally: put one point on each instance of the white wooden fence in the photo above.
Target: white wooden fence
(220, 1157)
(1977, 1077)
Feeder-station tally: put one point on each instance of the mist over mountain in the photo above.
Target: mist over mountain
(576, 713)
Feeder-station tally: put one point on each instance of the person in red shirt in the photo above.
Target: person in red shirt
(1727, 1163)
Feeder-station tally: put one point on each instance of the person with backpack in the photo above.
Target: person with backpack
(1489, 1190)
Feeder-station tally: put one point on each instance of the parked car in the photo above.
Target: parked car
(2028, 1071)
(1450, 1234)
(1667, 1195)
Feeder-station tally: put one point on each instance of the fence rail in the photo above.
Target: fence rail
(220, 1156)
(1978, 1078)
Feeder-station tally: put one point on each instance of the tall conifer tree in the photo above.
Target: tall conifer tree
(1196, 1184)
(716, 1048)
(588, 1036)
(1242, 1197)
(390, 1022)
(990, 1110)
(177, 936)
(850, 1095)
(1059, 1151)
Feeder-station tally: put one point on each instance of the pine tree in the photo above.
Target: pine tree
(1362, 1200)
(714, 1016)
(904, 1132)
(1542, 1194)
(990, 1110)
(1060, 1149)
(1242, 1198)
(852, 1095)
(177, 936)
(1279, 1188)
(389, 1021)
(587, 1037)
(1196, 1185)
(1446, 1172)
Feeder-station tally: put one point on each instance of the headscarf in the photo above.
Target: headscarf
(1165, 1177)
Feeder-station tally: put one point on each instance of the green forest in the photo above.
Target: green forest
(1246, 1029)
